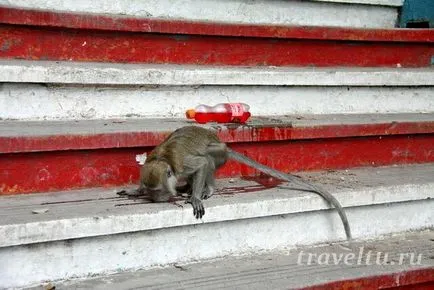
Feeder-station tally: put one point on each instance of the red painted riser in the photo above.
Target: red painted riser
(421, 279)
(40, 43)
(105, 22)
(61, 170)
(238, 134)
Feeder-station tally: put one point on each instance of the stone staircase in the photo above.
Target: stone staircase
(342, 13)
(346, 102)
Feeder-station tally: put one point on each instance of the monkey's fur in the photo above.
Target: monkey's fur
(195, 153)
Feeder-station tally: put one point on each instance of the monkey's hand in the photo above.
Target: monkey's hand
(198, 209)
(132, 193)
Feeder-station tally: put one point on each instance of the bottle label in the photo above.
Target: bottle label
(237, 109)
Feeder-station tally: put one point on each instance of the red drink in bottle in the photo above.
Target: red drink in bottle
(220, 113)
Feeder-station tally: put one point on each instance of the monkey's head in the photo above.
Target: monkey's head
(158, 180)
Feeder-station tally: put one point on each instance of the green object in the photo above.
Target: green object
(417, 14)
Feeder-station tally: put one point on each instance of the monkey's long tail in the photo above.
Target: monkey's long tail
(297, 181)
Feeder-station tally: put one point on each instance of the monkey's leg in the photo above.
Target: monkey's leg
(209, 181)
(186, 188)
(218, 156)
(207, 192)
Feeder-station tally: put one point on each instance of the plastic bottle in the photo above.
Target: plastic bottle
(220, 113)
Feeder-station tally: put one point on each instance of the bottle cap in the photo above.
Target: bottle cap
(190, 113)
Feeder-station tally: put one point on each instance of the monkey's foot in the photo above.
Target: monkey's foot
(174, 200)
(208, 192)
(177, 204)
(198, 209)
(184, 189)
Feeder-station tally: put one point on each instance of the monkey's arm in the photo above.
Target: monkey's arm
(199, 167)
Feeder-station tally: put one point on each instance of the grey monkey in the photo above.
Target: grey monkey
(195, 153)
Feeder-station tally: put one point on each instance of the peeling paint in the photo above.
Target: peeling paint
(410, 279)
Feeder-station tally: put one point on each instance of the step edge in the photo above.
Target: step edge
(229, 133)
(280, 204)
(176, 75)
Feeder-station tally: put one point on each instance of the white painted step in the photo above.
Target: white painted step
(88, 232)
(23, 71)
(100, 91)
(347, 13)
(276, 270)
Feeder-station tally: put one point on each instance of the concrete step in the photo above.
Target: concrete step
(90, 73)
(292, 269)
(55, 236)
(59, 155)
(347, 13)
(65, 90)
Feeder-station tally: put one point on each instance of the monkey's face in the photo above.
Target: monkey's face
(158, 180)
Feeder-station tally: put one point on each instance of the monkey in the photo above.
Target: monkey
(194, 154)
